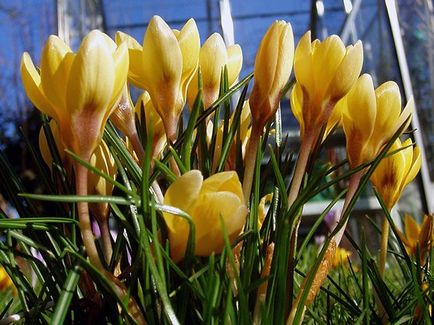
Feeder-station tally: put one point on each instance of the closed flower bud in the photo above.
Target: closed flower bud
(78, 90)
(208, 203)
(394, 172)
(164, 67)
(325, 72)
(45, 149)
(123, 115)
(273, 67)
(214, 56)
(102, 160)
(371, 117)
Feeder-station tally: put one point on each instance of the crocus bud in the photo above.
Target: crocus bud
(208, 202)
(325, 72)
(151, 119)
(394, 172)
(417, 238)
(45, 149)
(273, 67)
(5, 280)
(123, 115)
(164, 66)
(78, 90)
(103, 160)
(371, 117)
(214, 56)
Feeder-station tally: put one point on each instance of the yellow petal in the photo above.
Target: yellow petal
(272, 69)
(326, 59)
(297, 106)
(235, 62)
(348, 71)
(213, 58)
(210, 209)
(358, 119)
(412, 229)
(43, 144)
(224, 182)
(415, 165)
(92, 76)
(120, 60)
(55, 66)
(32, 86)
(303, 61)
(136, 71)
(182, 193)
(388, 106)
(162, 62)
(189, 43)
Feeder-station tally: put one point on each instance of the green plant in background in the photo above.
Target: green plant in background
(160, 229)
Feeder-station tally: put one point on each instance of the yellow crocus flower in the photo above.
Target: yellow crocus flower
(371, 117)
(79, 90)
(5, 280)
(152, 119)
(207, 202)
(325, 71)
(341, 257)
(394, 172)
(164, 66)
(43, 144)
(214, 56)
(417, 236)
(245, 129)
(273, 65)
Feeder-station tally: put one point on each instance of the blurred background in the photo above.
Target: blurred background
(398, 39)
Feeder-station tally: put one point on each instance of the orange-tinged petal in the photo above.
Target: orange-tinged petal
(273, 65)
(412, 229)
(358, 119)
(32, 85)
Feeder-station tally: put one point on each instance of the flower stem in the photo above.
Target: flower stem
(84, 217)
(383, 246)
(106, 240)
(250, 161)
(300, 168)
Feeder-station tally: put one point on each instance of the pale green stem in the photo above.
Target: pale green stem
(249, 161)
(307, 143)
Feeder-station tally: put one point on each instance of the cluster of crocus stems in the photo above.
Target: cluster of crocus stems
(330, 250)
(81, 174)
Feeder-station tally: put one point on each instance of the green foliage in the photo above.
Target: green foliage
(43, 253)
